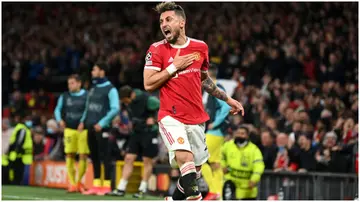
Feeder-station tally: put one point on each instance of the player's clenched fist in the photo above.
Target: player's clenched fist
(181, 62)
(235, 106)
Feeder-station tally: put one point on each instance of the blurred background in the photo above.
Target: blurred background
(294, 66)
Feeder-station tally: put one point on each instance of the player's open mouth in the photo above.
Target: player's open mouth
(167, 32)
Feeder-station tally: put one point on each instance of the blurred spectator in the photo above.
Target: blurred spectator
(17, 104)
(6, 133)
(319, 133)
(54, 141)
(305, 154)
(32, 100)
(348, 134)
(44, 100)
(268, 149)
(119, 136)
(38, 144)
(296, 131)
(329, 157)
(282, 160)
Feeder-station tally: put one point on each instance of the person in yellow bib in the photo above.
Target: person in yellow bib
(218, 112)
(243, 165)
(68, 112)
(19, 153)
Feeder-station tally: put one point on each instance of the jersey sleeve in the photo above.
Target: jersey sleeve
(206, 63)
(59, 106)
(153, 59)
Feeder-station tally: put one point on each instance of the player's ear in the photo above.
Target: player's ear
(182, 23)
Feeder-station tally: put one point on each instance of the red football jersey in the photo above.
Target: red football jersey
(180, 96)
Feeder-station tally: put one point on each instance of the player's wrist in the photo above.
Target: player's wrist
(171, 69)
(227, 99)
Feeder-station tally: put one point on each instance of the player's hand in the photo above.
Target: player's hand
(97, 128)
(181, 62)
(150, 121)
(210, 126)
(235, 107)
(80, 127)
(62, 124)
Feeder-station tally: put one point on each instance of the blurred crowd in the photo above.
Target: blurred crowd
(296, 65)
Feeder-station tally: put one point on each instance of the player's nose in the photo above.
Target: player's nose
(165, 25)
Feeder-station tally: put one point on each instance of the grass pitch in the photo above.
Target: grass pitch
(41, 193)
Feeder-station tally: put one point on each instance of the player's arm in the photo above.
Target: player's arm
(114, 108)
(154, 77)
(210, 87)
(59, 106)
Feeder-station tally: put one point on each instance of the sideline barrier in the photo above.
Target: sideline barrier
(295, 186)
(54, 174)
(309, 186)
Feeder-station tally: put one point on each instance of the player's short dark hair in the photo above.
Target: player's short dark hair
(102, 66)
(170, 6)
(75, 76)
(125, 92)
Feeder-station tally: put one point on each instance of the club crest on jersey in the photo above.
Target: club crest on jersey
(197, 56)
(181, 140)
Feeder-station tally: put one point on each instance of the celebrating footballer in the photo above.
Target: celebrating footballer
(177, 66)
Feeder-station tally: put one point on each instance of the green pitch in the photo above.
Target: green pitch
(40, 193)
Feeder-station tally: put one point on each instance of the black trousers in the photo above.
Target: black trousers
(229, 192)
(5, 175)
(100, 152)
(17, 168)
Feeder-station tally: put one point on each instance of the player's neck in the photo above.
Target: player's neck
(181, 42)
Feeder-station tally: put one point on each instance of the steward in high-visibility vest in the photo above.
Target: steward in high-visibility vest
(243, 166)
(20, 153)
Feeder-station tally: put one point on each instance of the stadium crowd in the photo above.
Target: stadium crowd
(296, 65)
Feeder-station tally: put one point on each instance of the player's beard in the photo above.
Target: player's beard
(175, 37)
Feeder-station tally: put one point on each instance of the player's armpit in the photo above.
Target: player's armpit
(211, 88)
(154, 79)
